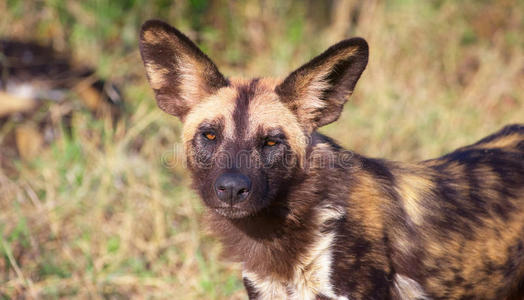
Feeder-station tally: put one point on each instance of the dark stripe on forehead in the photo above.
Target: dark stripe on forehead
(246, 92)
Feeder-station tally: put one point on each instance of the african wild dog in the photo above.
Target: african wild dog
(351, 228)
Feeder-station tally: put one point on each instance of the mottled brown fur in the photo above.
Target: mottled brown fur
(321, 222)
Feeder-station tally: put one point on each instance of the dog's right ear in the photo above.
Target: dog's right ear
(317, 91)
(180, 74)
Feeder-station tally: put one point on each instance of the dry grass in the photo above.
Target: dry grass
(106, 214)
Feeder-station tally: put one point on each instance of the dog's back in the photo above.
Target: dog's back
(446, 228)
(464, 214)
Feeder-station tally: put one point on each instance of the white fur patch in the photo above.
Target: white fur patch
(312, 274)
(316, 82)
(314, 91)
(157, 75)
(190, 80)
(267, 288)
(408, 288)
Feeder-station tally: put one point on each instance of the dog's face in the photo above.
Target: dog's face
(244, 139)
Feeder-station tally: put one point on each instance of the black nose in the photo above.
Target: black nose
(232, 187)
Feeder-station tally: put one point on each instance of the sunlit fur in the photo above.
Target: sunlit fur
(322, 222)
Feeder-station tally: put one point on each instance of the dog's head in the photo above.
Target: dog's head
(244, 139)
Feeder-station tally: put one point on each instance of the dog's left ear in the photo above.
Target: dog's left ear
(180, 74)
(317, 91)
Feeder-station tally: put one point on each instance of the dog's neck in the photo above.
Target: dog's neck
(271, 241)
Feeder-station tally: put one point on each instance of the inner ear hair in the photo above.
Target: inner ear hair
(180, 74)
(317, 91)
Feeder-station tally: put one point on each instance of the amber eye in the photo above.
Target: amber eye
(270, 143)
(210, 136)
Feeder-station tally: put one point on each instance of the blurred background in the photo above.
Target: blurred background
(90, 205)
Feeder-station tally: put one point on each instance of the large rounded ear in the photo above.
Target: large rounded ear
(180, 74)
(317, 91)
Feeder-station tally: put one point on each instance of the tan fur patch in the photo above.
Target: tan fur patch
(367, 199)
(189, 70)
(192, 87)
(220, 105)
(266, 111)
(503, 142)
(156, 37)
(310, 87)
(411, 188)
(488, 244)
(156, 75)
(314, 82)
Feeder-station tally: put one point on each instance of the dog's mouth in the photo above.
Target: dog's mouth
(232, 212)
